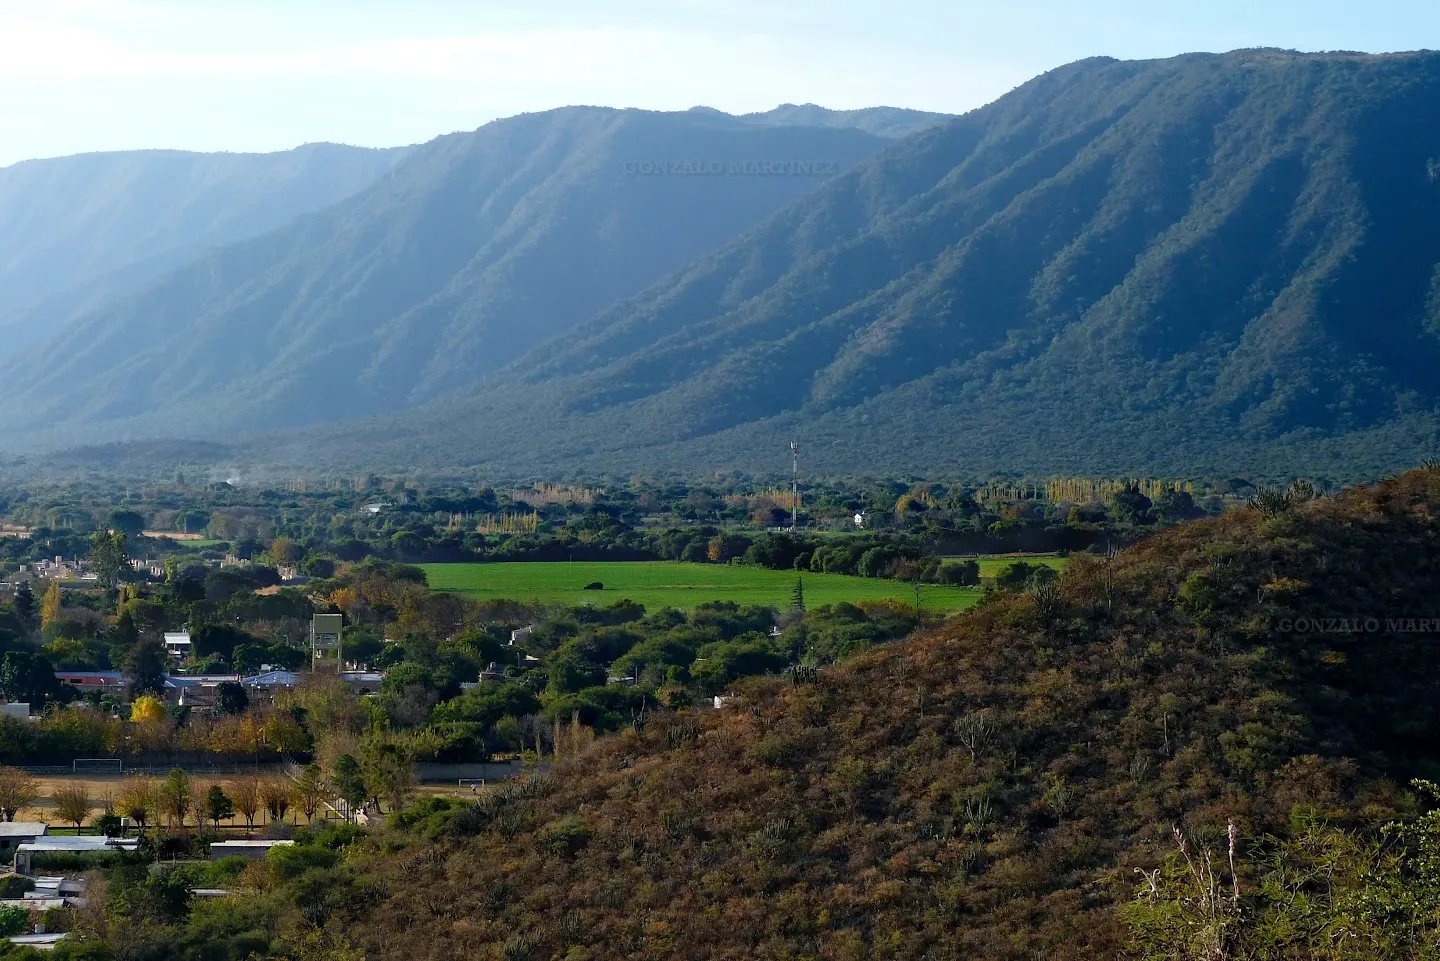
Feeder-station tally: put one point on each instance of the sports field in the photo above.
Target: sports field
(658, 584)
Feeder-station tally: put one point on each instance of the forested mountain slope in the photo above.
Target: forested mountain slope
(474, 249)
(78, 231)
(984, 791)
(1203, 265)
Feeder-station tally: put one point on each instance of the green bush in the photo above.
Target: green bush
(13, 920)
(566, 837)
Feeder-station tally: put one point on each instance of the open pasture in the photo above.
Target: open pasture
(658, 584)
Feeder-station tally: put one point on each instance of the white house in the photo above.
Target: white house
(178, 645)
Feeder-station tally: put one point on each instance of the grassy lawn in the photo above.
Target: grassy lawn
(990, 566)
(658, 584)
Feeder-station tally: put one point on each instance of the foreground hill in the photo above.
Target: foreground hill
(78, 231)
(1193, 266)
(474, 249)
(984, 791)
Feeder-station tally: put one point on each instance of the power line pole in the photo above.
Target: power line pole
(794, 485)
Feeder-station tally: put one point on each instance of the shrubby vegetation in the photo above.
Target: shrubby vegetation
(989, 789)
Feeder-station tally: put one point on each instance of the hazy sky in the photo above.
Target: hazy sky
(81, 75)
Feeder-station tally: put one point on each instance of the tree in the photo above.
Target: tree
(175, 797)
(124, 634)
(388, 772)
(348, 783)
(797, 597)
(147, 709)
(129, 523)
(25, 604)
(310, 788)
(277, 795)
(50, 605)
(571, 671)
(1015, 575)
(72, 803)
(146, 665)
(18, 791)
(231, 698)
(1175, 505)
(108, 559)
(218, 805)
(285, 551)
(245, 793)
(722, 548)
(1131, 506)
(13, 920)
(873, 562)
(28, 678)
(962, 573)
(137, 799)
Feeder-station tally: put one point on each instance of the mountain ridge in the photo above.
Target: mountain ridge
(78, 231)
(444, 270)
(1189, 251)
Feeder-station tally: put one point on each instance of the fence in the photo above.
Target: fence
(161, 768)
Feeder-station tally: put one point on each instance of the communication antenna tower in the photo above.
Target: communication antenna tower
(794, 485)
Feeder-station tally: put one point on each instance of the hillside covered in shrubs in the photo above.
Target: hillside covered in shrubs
(986, 791)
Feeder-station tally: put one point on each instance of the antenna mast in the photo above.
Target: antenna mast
(794, 485)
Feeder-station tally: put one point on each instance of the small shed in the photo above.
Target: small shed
(40, 942)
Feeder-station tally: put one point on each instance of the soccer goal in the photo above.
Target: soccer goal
(97, 765)
(471, 784)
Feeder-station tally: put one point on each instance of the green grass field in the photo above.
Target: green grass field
(658, 584)
(990, 566)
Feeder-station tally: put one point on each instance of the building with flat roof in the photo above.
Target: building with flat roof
(72, 844)
(248, 848)
(88, 680)
(13, 833)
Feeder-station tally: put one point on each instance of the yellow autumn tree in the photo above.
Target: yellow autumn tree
(147, 710)
(50, 604)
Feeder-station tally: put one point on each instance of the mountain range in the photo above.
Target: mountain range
(474, 248)
(1205, 265)
(76, 232)
(1209, 264)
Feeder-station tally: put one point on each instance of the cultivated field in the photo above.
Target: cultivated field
(658, 584)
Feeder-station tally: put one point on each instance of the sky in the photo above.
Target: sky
(260, 75)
